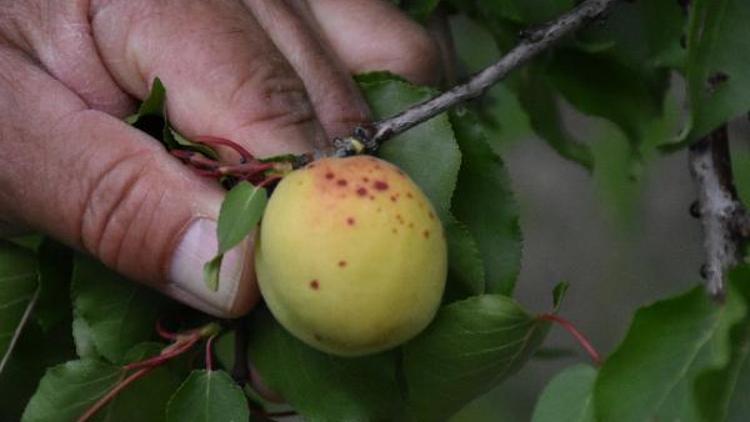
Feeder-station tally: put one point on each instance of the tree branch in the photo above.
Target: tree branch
(723, 217)
(533, 43)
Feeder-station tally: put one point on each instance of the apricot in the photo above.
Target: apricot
(351, 257)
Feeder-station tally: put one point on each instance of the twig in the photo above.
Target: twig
(723, 217)
(99, 405)
(533, 43)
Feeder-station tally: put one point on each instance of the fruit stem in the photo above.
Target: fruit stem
(583, 341)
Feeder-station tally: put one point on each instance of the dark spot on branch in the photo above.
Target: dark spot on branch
(695, 209)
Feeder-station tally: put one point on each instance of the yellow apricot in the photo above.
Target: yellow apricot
(351, 257)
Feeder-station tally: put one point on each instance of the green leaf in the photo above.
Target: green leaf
(599, 86)
(484, 202)
(18, 295)
(469, 348)
(419, 149)
(240, 213)
(524, 11)
(651, 374)
(420, 10)
(568, 397)
(35, 351)
(152, 118)
(211, 270)
(55, 270)
(721, 393)
(208, 396)
(718, 72)
(118, 312)
(641, 34)
(465, 266)
(83, 339)
(539, 100)
(319, 386)
(67, 390)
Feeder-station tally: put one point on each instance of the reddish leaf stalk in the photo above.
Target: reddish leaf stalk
(99, 405)
(209, 354)
(213, 141)
(579, 336)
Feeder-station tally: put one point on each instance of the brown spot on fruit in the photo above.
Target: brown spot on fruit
(350, 221)
(426, 234)
(365, 179)
(380, 185)
(342, 264)
(431, 215)
(411, 225)
(314, 284)
(394, 231)
(408, 194)
(393, 198)
(329, 175)
(318, 337)
(361, 191)
(341, 182)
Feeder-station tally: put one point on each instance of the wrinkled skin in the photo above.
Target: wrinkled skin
(274, 76)
(351, 257)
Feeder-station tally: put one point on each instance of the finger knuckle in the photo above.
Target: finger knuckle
(118, 207)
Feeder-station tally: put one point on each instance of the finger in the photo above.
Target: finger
(292, 27)
(373, 35)
(99, 185)
(224, 76)
(56, 33)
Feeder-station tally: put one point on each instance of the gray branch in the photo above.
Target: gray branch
(723, 217)
(533, 43)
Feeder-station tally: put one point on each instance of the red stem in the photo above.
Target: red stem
(135, 376)
(209, 354)
(163, 332)
(212, 141)
(580, 337)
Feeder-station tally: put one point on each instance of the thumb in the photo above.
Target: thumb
(106, 188)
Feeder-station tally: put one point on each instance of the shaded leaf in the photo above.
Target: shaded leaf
(67, 390)
(465, 266)
(651, 373)
(319, 386)
(18, 294)
(419, 149)
(118, 312)
(568, 397)
(420, 10)
(208, 396)
(469, 348)
(484, 202)
(717, 70)
(55, 270)
(540, 102)
(599, 86)
(35, 351)
(641, 34)
(83, 338)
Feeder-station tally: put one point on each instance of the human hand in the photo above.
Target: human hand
(273, 76)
